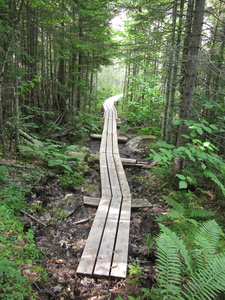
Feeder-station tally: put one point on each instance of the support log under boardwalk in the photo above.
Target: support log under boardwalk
(135, 203)
(121, 139)
(106, 249)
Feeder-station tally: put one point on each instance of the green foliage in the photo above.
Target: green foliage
(3, 174)
(180, 247)
(74, 179)
(86, 123)
(184, 214)
(68, 163)
(203, 280)
(29, 251)
(135, 272)
(149, 243)
(16, 248)
(136, 114)
(145, 106)
(135, 269)
(207, 282)
(201, 160)
(168, 264)
(12, 196)
(13, 285)
(207, 242)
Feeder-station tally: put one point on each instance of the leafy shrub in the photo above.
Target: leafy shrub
(13, 286)
(201, 160)
(13, 196)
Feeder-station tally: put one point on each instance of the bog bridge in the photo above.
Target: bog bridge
(106, 250)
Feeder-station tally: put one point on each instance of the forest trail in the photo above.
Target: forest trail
(106, 250)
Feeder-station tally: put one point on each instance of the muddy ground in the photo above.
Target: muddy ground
(68, 222)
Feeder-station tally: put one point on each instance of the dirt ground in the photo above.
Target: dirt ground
(68, 222)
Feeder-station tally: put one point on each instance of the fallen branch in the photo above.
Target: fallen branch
(30, 216)
(81, 221)
(24, 134)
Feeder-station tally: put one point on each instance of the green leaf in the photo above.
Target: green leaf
(186, 136)
(176, 122)
(157, 157)
(199, 130)
(213, 126)
(183, 184)
(203, 166)
(207, 129)
(180, 176)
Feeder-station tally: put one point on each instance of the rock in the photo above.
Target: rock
(137, 144)
(57, 289)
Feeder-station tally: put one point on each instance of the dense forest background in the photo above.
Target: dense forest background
(168, 59)
(59, 60)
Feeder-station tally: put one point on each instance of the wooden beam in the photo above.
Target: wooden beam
(124, 160)
(121, 139)
(135, 203)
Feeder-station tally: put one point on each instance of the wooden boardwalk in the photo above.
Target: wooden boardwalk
(106, 250)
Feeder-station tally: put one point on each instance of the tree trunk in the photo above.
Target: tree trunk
(189, 80)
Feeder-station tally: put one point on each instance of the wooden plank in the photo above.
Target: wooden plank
(124, 160)
(103, 263)
(87, 262)
(105, 182)
(119, 263)
(135, 203)
(122, 177)
(121, 139)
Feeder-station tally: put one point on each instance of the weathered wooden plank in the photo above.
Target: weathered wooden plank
(124, 160)
(135, 203)
(122, 177)
(103, 263)
(119, 263)
(87, 262)
(121, 139)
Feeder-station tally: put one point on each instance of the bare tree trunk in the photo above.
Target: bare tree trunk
(174, 76)
(189, 80)
(15, 14)
(165, 135)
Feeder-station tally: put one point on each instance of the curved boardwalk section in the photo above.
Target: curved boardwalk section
(106, 250)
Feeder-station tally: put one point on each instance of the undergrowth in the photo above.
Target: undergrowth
(17, 247)
(68, 162)
(17, 244)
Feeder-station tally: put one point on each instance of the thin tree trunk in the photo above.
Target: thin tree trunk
(174, 76)
(189, 80)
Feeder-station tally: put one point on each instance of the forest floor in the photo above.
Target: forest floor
(68, 223)
(64, 238)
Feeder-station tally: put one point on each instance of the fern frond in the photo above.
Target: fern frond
(206, 243)
(208, 236)
(215, 179)
(168, 265)
(200, 213)
(180, 247)
(176, 205)
(207, 282)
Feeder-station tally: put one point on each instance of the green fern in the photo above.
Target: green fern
(200, 213)
(205, 280)
(215, 179)
(208, 281)
(206, 242)
(180, 247)
(168, 265)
